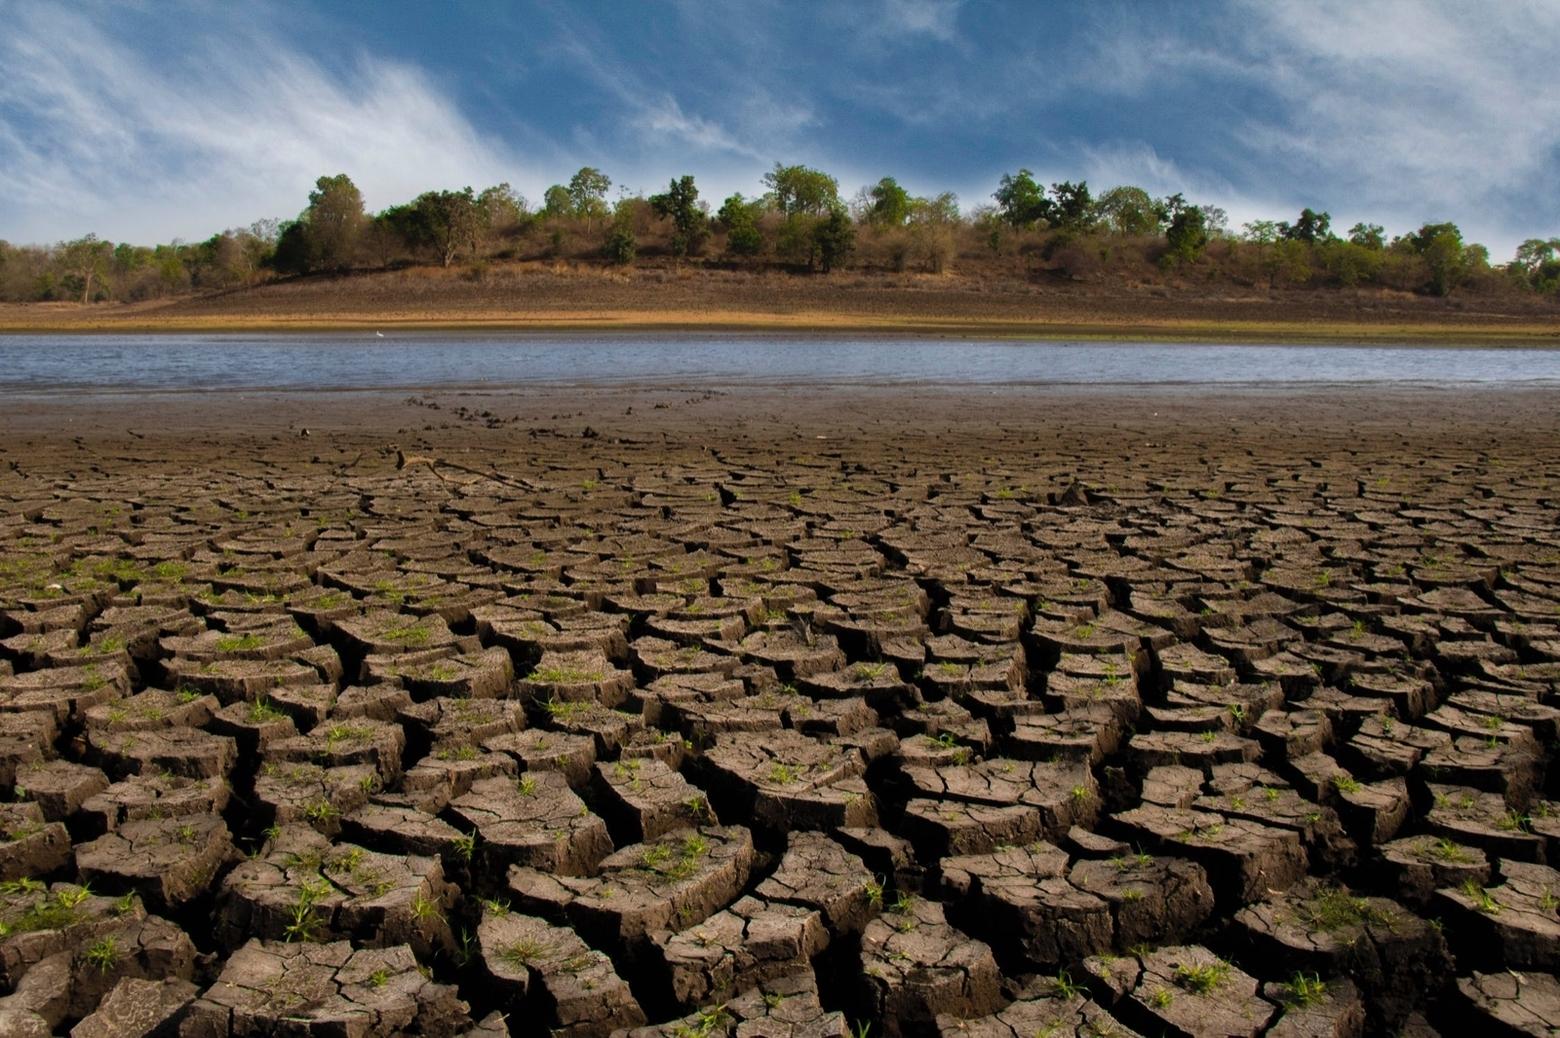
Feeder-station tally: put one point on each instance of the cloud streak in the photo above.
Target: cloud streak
(1397, 112)
(139, 150)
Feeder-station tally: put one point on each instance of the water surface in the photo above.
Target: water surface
(357, 361)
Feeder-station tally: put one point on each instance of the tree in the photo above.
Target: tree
(888, 203)
(86, 260)
(1311, 227)
(740, 222)
(1368, 236)
(932, 222)
(557, 201)
(1128, 211)
(801, 191)
(1537, 262)
(835, 236)
(1441, 247)
(1071, 208)
(621, 246)
(1187, 235)
(1261, 232)
(333, 222)
(588, 193)
(1020, 200)
(680, 203)
(502, 210)
(447, 221)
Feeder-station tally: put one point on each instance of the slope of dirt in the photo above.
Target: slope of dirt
(561, 297)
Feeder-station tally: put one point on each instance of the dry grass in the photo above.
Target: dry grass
(560, 297)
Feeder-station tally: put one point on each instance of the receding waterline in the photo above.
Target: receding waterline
(290, 363)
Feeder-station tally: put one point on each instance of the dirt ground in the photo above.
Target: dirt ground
(560, 296)
(694, 712)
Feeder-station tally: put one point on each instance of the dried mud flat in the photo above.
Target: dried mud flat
(685, 713)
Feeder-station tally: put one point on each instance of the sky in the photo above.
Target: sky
(149, 120)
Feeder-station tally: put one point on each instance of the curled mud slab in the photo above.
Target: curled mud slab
(663, 713)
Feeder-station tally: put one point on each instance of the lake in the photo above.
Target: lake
(357, 361)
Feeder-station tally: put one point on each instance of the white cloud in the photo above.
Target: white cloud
(935, 18)
(94, 136)
(1399, 111)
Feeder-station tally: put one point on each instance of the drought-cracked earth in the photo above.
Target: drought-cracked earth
(690, 715)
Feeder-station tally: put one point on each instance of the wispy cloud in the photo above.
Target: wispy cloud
(1398, 111)
(141, 150)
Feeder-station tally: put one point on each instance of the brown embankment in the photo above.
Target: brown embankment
(551, 298)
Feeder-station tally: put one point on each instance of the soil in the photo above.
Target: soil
(667, 713)
(558, 296)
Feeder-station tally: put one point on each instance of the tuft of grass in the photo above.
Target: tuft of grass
(1480, 897)
(524, 952)
(1303, 991)
(239, 642)
(103, 954)
(1202, 979)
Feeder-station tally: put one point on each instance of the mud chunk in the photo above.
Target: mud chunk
(324, 989)
(535, 821)
(817, 872)
(575, 990)
(641, 798)
(736, 949)
(1244, 859)
(1393, 955)
(1182, 990)
(302, 887)
(138, 1009)
(1509, 1003)
(29, 845)
(915, 967)
(669, 883)
(1514, 925)
(167, 861)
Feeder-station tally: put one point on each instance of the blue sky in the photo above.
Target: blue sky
(164, 118)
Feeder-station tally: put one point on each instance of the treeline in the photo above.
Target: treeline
(800, 222)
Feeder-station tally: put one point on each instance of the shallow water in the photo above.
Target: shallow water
(168, 363)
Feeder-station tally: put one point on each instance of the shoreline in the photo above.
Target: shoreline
(1080, 321)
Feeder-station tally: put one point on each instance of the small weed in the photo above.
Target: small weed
(524, 952)
(1480, 897)
(262, 712)
(103, 954)
(1202, 979)
(1448, 850)
(1161, 998)
(1303, 991)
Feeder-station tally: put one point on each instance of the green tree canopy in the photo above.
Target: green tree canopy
(800, 190)
(1311, 227)
(1128, 210)
(1187, 234)
(1368, 236)
(681, 204)
(889, 204)
(1441, 246)
(588, 193)
(447, 221)
(835, 237)
(333, 222)
(739, 218)
(1021, 201)
(85, 261)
